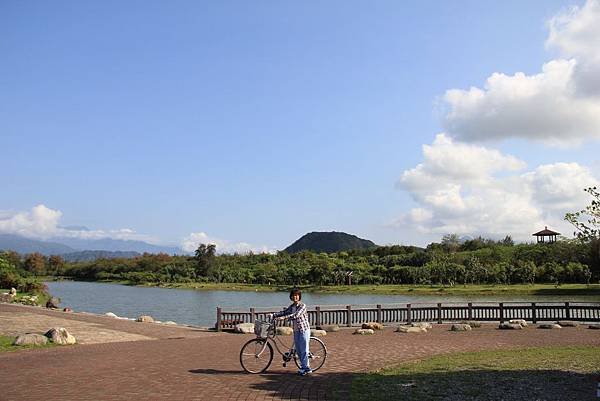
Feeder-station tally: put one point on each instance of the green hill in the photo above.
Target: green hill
(329, 242)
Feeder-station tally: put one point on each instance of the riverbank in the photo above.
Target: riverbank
(459, 290)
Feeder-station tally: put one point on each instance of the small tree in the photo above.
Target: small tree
(204, 257)
(590, 229)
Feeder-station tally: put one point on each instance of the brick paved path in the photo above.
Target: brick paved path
(191, 364)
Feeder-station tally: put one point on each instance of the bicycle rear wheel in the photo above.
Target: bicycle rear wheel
(256, 355)
(316, 355)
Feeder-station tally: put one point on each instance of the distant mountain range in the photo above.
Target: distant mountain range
(64, 246)
(329, 242)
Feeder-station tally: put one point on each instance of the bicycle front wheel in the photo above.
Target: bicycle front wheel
(316, 355)
(256, 355)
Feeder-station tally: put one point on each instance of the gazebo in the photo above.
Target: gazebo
(541, 235)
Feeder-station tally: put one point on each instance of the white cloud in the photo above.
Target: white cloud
(494, 199)
(192, 241)
(42, 222)
(558, 106)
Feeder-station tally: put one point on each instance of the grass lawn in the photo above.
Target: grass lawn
(6, 345)
(552, 373)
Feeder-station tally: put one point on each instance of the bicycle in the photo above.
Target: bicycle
(256, 355)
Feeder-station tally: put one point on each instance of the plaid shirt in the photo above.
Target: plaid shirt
(297, 314)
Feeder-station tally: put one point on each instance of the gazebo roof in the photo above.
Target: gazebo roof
(544, 232)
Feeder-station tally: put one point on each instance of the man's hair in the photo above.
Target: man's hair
(295, 291)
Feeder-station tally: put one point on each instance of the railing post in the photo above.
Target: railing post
(533, 313)
(318, 318)
(408, 314)
(439, 313)
(567, 311)
(218, 319)
(379, 314)
(470, 313)
(501, 312)
(252, 315)
(348, 315)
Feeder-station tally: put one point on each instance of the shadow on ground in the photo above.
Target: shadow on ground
(287, 385)
(484, 385)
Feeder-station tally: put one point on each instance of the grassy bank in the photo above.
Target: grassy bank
(565, 373)
(515, 289)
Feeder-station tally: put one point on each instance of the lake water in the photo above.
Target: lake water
(198, 307)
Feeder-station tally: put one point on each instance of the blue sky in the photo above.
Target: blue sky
(249, 124)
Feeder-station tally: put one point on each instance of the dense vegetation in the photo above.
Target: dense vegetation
(451, 262)
(14, 275)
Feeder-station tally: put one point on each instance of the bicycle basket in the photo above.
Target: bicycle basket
(261, 329)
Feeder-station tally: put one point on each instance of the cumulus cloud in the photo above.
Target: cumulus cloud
(42, 222)
(192, 241)
(558, 106)
(495, 197)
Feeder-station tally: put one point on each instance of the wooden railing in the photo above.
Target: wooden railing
(438, 313)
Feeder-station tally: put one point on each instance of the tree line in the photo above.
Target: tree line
(449, 262)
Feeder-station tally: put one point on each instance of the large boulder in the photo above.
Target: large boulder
(411, 329)
(53, 303)
(244, 328)
(13, 292)
(567, 323)
(595, 326)
(318, 333)
(284, 331)
(510, 326)
(423, 325)
(460, 327)
(549, 326)
(330, 328)
(372, 326)
(522, 322)
(146, 319)
(110, 314)
(364, 332)
(31, 339)
(473, 323)
(60, 335)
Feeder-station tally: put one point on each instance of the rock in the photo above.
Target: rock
(170, 323)
(330, 328)
(473, 323)
(29, 300)
(13, 292)
(549, 326)
(411, 329)
(68, 310)
(284, 331)
(364, 332)
(460, 327)
(372, 326)
(318, 333)
(510, 326)
(6, 297)
(60, 335)
(567, 323)
(244, 328)
(145, 319)
(522, 322)
(31, 339)
(424, 325)
(110, 314)
(594, 326)
(53, 303)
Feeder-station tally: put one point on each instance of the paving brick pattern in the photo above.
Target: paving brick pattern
(192, 364)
